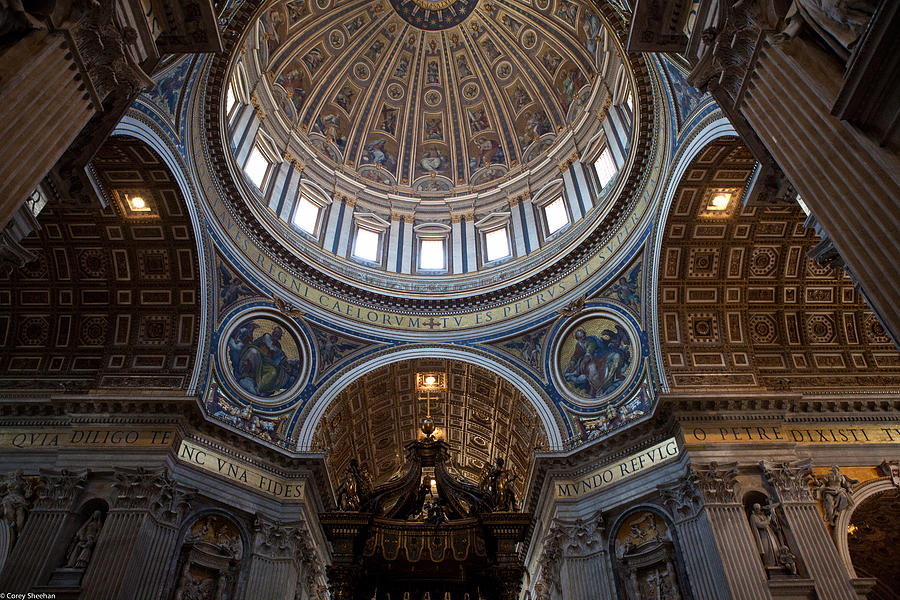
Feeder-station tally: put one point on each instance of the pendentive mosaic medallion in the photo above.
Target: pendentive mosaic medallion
(262, 357)
(595, 358)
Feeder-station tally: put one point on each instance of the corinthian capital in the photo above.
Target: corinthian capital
(274, 539)
(60, 489)
(790, 480)
(136, 487)
(682, 497)
(716, 483)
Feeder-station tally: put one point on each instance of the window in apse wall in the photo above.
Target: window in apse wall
(306, 215)
(556, 215)
(431, 255)
(366, 245)
(605, 167)
(496, 244)
(257, 167)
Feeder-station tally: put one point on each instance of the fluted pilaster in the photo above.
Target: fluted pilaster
(791, 483)
(743, 572)
(138, 538)
(58, 493)
(698, 549)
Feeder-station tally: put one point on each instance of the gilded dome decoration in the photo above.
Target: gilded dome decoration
(376, 159)
(430, 96)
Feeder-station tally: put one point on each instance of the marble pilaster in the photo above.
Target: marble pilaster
(28, 561)
(818, 552)
(144, 516)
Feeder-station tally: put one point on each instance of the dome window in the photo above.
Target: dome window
(257, 167)
(230, 101)
(432, 255)
(306, 215)
(366, 244)
(555, 215)
(605, 167)
(496, 244)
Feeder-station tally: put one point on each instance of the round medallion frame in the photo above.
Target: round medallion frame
(231, 325)
(632, 370)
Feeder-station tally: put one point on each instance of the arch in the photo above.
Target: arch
(132, 126)
(719, 127)
(327, 394)
(867, 490)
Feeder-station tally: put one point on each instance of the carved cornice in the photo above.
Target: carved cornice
(782, 405)
(789, 480)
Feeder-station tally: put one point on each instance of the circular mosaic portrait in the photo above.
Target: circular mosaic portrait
(263, 357)
(596, 357)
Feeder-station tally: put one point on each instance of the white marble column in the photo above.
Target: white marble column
(244, 133)
(516, 231)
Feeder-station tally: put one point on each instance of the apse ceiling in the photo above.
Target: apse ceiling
(481, 416)
(429, 95)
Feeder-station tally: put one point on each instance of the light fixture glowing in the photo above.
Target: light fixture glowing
(719, 202)
(137, 204)
(430, 380)
(851, 529)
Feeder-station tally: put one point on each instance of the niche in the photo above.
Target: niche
(82, 544)
(209, 562)
(645, 553)
(770, 536)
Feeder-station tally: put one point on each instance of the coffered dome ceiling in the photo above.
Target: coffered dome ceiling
(431, 96)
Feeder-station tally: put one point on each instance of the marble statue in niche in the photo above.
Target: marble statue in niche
(768, 533)
(81, 550)
(834, 490)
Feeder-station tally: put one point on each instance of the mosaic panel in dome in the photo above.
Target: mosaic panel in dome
(740, 304)
(595, 358)
(263, 357)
